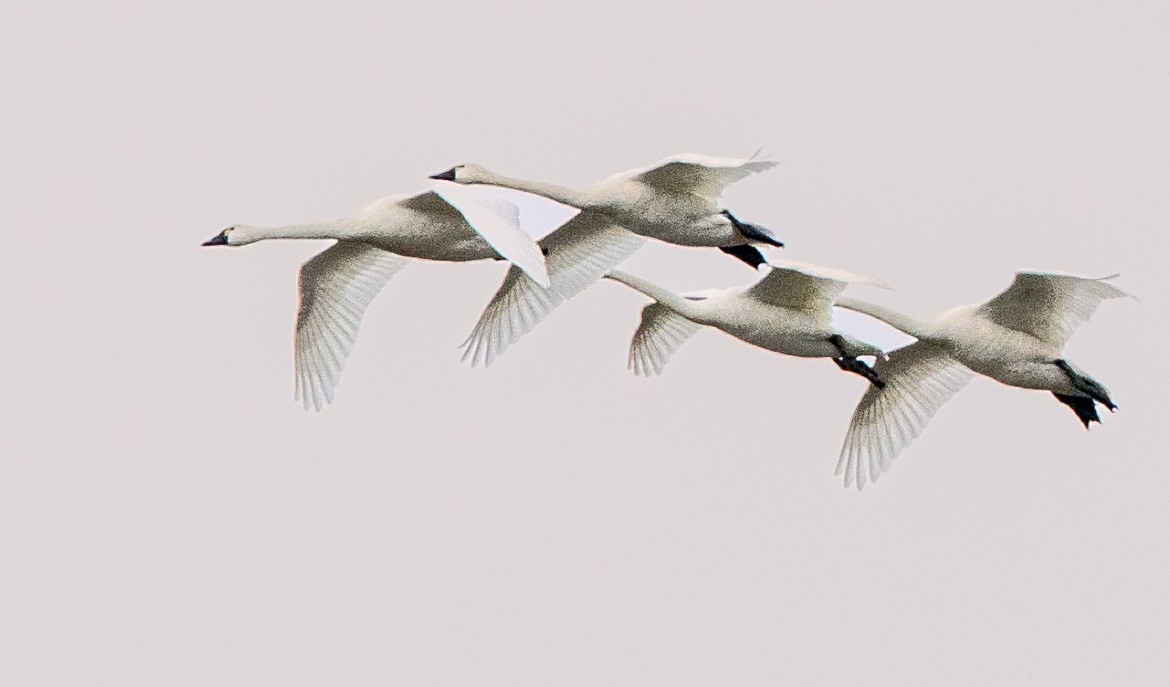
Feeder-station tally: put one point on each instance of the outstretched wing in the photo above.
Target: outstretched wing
(658, 336)
(919, 379)
(580, 252)
(498, 222)
(336, 287)
(798, 289)
(706, 176)
(1048, 306)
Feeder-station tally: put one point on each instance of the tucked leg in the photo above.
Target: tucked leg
(1083, 406)
(752, 232)
(1087, 385)
(749, 254)
(850, 363)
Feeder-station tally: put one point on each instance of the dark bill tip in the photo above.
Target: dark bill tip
(449, 175)
(219, 239)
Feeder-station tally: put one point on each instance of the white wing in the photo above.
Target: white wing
(919, 379)
(498, 222)
(706, 176)
(580, 252)
(798, 289)
(827, 272)
(1048, 306)
(336, 286)
(658, 336)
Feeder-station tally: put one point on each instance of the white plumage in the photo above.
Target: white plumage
(338, 284)
(787, 311)
(676, 200)
(1015, 338)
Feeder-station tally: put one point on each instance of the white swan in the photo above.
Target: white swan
(788, 311)
(1015, 338)
(338, 284)
(676, 200)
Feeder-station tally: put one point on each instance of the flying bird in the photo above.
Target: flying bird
(788, 311)
(1015, 338)
(338, 284)
(676, 201)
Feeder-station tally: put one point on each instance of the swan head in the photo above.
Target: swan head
(467, 173)
(235, 235)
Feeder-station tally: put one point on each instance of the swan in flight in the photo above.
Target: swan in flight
(676, 200)
(788, 311)
(338, 284)
(1015, 338)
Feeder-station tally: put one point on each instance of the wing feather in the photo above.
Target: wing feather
(498, 222)
(658, 336)
(336, 287)
(798, 289)
(919, 379)
(1049, 306)
(707, 176)
(580, 252)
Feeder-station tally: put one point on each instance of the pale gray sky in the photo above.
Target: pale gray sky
(170, 516)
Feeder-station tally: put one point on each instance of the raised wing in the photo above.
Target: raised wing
(1049, 306)
(580, 252)
(706, 176)
(798, 289)
(336, 287)
(496, 220)
(658, 336)
(919, 379)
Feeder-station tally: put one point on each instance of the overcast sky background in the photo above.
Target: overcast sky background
(169, 515)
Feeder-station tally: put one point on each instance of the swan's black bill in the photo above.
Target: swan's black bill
(449, 175)
(220, 239)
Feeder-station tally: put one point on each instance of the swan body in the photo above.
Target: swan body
(788, 311)
(676, 200)
(338, 284)
(1015, 338)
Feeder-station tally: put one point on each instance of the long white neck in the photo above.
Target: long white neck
(562, 194)
(675, 302)
(913, 326)
(334, 229)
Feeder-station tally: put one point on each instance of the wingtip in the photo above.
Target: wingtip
(1120, 292)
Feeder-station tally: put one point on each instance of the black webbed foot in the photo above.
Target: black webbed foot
(858, 367)
(1087, 385)
(1083, 406)
(752, 232)
(749, 254)
(850, 363)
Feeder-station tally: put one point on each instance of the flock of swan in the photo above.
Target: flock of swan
(1015, 338)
